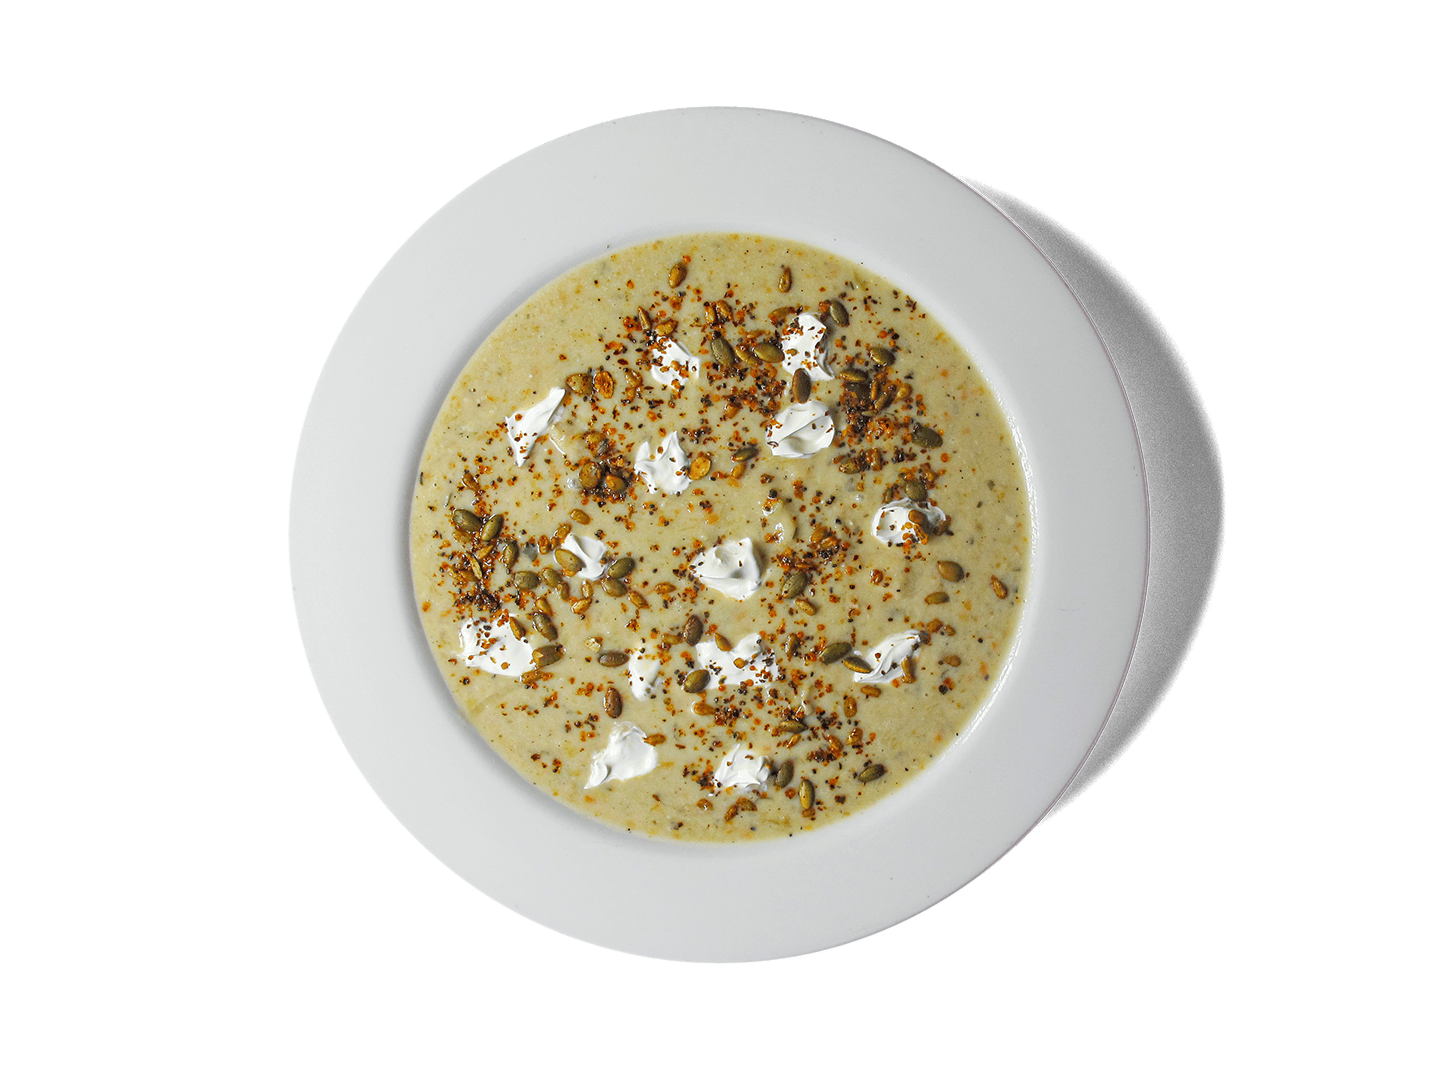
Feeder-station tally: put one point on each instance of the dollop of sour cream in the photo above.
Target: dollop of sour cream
(589, 550)
(887, 655)
(672, 364)
(801, 430)
(894, 522)
(747, 661)
(494, 647)
(525, 426)
(667, 470)
(742, 766)
(627, 755)
(643, 670)
(731, 568)
(805, 347)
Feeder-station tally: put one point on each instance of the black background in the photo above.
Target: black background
(1136, 846)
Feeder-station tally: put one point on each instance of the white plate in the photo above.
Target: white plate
(641, 178)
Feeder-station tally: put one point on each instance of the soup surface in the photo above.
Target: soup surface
(720, 537)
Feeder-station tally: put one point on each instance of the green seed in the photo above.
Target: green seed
(857, 664)
(800, 386)
(691, 631)
(509, 552)
(621, 567)
(838, 312)
(950, 570)
(677, 275)
(785, 773)
(613, 702)
(870, 773)
(544, 625)
(466, 521)
(769, 353)
(915, 490)
(579, 515)
(794, 584)
(806, 606)
(927, 437)
(615, 485)
(939, 597)
(612, 659)
(551, 576)
(589, 475)
(526, 580)
(835, 652)
(613, 586)
(722, 351)
(882, 356)
(806, 794)
(744, 454)
(790, 726)
(492, 529)
(785, 280)
(854, 376)
(696, 681)
(569, 561)
(547, 655)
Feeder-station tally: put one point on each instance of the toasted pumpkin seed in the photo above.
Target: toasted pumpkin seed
(848, 465)
(701, 708)
(794, 584)
(950, 570)
(613, 703)
(799, 386)
(747, 354)
(870, 773)
(483, 548)
(509, 552)
(906, 665)
(806, 794)
(589, 475)
(782, 312)
(696, 680)
(790, 726)
(785, 773)
(547, 655)
(783, 284)
(612, 659)
(851, 707)
(551, 576)
(721, 351)
(613, 586)
(927, 437)
(699, 466)
(857, 664)
(915, 490)
(665, 588)
(722, 644)
(769, 353)
(614, 484)
(466, 521)
(870, 691)
(854, 376)
(492, 529)
(723, 308)
(833, 653)
(806, 606)
(664, 328)
(838, 312)
(936, 597)
(881, 356)
(569, 561)
(526, 580)
(593, 643)
(1000, 590)
(691, 631)
(582, 605)
(639, 600)
(677, 275)
(544, 625)
(580, 517)
(621, 567)
(744, 454)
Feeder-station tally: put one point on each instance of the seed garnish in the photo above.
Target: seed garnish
(696, 680)
(466, 521)
(833, 653)
(950, 570)
(612, 659)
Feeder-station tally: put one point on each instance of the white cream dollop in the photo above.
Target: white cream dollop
(731, 568)
(893, 523)
(495, 647)
(747, 661)
(627, 755)
(524, 426)
(671, 363)
(667, 470)
(589, 550)
(800, 430)
(642, 669)
(805, 347)
(742, 766)
(887, 655)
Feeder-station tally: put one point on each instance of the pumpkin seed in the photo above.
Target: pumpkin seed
(833, 653)
(927, 437)
(551, 576)
(747, 354)
(870, 691)
(580, 516)
(906, 665)
(857, 664)
(581, 606)
(612, 659)
(769, 353)
(665, 327)
(701, 708)
(723, 352)
(838, 312)
(784, 774)
(677, 276)
(547, 655)
(950, 570)
(517, 630)
(562, 532)
(696, 680)
(904, 391)
(848, 465)
(799, 387)
(691, 631)
(884, 397)
(722, 644)
(579, 384)
(806, 794)
(589, 475)
(851, 707)
(639, 600)
(569, 561)
(665, 588)
(806, 606)
(544, 625)
(782, 312)
(613, 703)
(870, 773)
(790, 726)
(615, 485)
(509, 552)
(543, 605)
(785, 280)
(939, 597)
(854, 376)
(744, 454)
(1000, 590)
(492, 529)
(526, 580)
(466, 521)
(613, 586)
(794, 584)
(881, 356)
(605, 383)
(483, 548)
(722, 307)
(915, 490)
(586, 589)
(699, 466)
(643, 319)
(621, 567)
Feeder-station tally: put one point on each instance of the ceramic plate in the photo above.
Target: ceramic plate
(568, 201)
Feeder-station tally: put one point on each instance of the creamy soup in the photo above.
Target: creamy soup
(720, 537)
